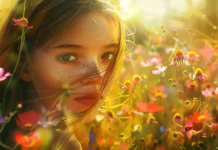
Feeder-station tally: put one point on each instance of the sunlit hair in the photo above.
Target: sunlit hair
(49, 18)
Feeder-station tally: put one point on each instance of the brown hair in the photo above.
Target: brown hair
(49, 18)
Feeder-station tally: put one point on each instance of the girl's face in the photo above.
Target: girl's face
(78, 58)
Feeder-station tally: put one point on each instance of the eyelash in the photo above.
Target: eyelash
(68, 56)
(110, 53)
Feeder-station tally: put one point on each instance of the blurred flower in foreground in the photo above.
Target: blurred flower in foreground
(22, 22)
(148, 107)
(29, 119)
(2, 75)
(27, 141)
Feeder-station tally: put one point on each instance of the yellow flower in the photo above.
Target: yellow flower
(177, 117)
(151, 119)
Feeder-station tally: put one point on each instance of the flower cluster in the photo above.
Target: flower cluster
(173, 105)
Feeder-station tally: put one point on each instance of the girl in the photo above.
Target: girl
(63, 56)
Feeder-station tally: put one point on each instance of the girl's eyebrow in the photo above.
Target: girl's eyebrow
(75, 46)
(112, 45)
(68, 46)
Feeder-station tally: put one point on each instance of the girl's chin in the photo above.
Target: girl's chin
(83, 117)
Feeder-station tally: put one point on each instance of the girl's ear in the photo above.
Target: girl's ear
(25, 72)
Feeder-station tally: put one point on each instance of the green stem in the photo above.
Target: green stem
(16, 65)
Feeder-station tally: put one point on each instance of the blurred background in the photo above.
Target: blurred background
(173, 15)
(148, 15)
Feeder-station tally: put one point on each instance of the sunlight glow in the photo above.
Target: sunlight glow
(154, 7)
(179, 6)
(125, 9)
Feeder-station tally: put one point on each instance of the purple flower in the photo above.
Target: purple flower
(2, 119)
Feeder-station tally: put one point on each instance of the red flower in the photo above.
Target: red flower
(199, 117)
(26, 120)
(27, 141)
(149, 107)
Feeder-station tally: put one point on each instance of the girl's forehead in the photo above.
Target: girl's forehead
(91, 26)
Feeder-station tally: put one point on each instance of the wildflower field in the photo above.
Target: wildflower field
(165, 98)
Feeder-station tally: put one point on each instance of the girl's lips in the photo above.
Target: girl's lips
(88, 99)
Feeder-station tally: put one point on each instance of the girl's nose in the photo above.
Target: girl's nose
(92, 74)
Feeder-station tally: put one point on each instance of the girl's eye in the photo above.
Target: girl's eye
(108, 55)
(67, 57)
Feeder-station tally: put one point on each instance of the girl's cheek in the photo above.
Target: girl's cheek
(60, 74)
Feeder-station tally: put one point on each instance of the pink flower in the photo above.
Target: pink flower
(27, 120)
(22, 22)
(159, 70)
(149, 107)
(190, 133)
(138, 49)
(2, 75)
(206, 52)
(152, 61)
(157, 92)
(157, 88)
(199, 75)
(214, 126)
(188, 126)
(179, 57)
(193, 56)
(207, 92)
